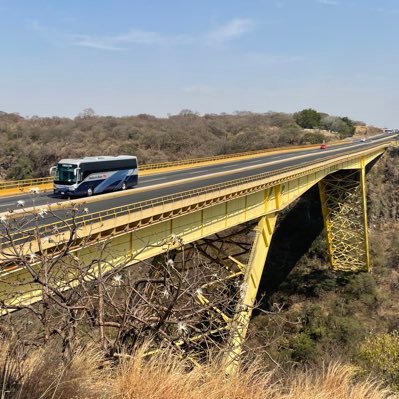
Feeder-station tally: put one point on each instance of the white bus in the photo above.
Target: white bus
(94, 175)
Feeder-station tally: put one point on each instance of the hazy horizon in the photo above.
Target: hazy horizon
(126, 58)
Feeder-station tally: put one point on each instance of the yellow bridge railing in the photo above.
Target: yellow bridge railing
(10, 187)
(100, 216)
(194, 161)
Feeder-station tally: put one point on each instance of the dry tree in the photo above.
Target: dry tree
(180, 300)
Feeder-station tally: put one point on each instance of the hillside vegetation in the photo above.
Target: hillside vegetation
(29, 146)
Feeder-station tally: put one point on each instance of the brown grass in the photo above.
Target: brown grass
(42, 375)
(165, 377)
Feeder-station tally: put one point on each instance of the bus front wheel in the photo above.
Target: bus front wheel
(89, 191)
(124, 186)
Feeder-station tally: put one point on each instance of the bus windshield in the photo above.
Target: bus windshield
(65, 174)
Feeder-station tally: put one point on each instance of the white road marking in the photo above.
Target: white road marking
(158, 178)
(12, 203)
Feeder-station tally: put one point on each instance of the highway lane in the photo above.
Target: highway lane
(157, 191)
(194, 184)
(10, 203)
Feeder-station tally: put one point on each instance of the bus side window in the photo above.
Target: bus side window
(85, 174)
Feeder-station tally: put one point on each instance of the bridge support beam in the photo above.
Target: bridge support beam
(249, 289)
(343, 201)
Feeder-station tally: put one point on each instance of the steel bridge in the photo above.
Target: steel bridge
(210, 198)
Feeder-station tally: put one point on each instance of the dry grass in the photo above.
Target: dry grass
(42, 375)
(165, 377)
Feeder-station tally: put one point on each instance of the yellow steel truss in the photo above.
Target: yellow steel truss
(343, 200)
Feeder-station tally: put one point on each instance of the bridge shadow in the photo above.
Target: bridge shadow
(295, 233)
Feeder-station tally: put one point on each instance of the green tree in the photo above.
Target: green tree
(308, 118)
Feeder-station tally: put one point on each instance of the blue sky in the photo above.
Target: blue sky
(128, 57)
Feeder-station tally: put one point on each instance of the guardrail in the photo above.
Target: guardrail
(100, 216)
(161, 165)
(9, 187)
(4, 184)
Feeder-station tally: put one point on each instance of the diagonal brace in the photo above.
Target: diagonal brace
(249, 289)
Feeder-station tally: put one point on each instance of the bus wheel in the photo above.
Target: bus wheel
(124, 186)
(89, 192)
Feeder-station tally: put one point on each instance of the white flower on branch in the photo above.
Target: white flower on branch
(170, 263)
(243, 290)
(199, 291)
(42, 213)
(32, 257)
(117, 280)
(85, 210)
(20, 203)
(3, 219)
(182, 328)
(34, 190)
(165, 293)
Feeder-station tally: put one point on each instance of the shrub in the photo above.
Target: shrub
(21, 169)
(362, 287)
(379, 355)
(312, 138)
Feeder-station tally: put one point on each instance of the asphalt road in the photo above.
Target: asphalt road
(10, 203)
(193, 178)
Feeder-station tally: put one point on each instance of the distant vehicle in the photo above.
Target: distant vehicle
(389, 131)
(363, 140)
(94, 175)
(323, 146)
